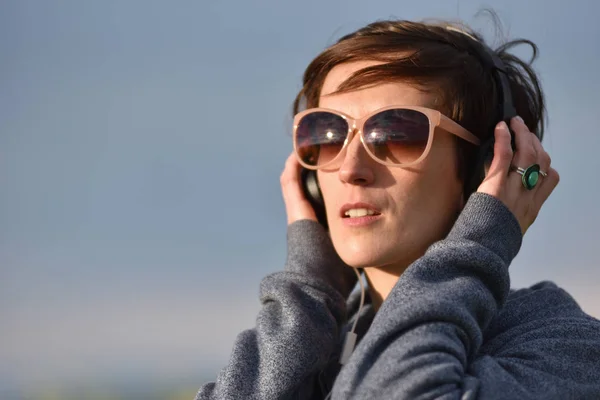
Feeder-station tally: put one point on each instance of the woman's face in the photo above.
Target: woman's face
(417, 206)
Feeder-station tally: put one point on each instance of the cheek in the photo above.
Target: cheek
(445, 198)
(443, 158)
(438, 190)
(327, 183)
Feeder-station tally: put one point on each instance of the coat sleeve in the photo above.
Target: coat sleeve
(426, 338)
(297, 329)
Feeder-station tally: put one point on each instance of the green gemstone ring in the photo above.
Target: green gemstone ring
(530, 176)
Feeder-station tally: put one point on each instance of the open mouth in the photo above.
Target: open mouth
(360, 212)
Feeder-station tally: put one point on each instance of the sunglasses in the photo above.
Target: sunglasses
(393, 136)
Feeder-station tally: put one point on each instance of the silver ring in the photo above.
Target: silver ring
(521, 171)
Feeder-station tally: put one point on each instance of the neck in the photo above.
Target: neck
(381, 281)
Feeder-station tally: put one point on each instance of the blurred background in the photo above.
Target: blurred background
(141, 144)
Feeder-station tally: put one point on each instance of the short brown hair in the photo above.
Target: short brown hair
(434, 59)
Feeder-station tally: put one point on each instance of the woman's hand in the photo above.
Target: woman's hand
(504, 183)
(296, 205)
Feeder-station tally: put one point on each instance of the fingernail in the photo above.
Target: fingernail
(518, 118)
(502, 125)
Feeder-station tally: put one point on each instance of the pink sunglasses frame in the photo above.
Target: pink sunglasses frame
(436, 119)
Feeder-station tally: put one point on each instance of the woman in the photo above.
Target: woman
(400, 121)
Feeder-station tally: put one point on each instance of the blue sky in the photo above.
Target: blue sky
(141, 144)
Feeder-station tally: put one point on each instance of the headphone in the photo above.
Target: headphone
(506, 111)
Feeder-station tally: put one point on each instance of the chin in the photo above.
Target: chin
(373, 252)
(359, 253)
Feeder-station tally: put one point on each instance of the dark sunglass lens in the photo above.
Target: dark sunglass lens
(320, 136)
(399, 135)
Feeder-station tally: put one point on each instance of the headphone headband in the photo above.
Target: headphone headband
(490, 59)
(506, 109)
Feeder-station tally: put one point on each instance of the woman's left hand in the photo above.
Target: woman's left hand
(504, 183)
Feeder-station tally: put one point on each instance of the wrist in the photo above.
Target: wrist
(487, 221)
(311, 252)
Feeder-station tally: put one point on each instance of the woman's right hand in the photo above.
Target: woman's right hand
(310, 250)
(296, 205)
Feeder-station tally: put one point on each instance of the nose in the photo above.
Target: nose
(357, 166)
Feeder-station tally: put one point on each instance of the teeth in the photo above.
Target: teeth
(359, 212)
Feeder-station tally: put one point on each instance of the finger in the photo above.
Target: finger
(525, 153)
(543, 158)
(548, 182)
(546, 186)
(296, 205)
(503, 153)
(290, 178)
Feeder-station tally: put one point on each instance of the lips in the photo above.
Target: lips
(358, 209)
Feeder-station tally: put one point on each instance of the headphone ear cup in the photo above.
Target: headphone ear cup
(312, 192)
